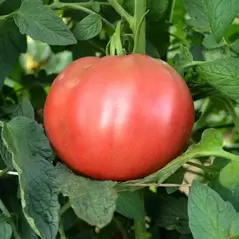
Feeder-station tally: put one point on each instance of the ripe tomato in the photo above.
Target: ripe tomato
(118, 117)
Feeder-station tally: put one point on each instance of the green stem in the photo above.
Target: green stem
(232, 111)
(65, 207)
(171, 11)
(4, 171)
(7, 214)
(122, 12)
(5, 17)
(79, 6)
(139, 26)
(61, 230)
(139, 225)
(115, 42)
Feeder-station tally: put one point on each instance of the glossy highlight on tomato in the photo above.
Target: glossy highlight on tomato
(118, 117)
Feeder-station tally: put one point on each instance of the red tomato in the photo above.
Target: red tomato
(118, 117)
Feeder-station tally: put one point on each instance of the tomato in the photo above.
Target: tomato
(118, 117)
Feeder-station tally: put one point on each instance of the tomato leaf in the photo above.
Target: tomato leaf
(5, 228)
(92, 201)
(157, 9)
(176, 178)
(30, 149)
(173, 214)
(9, 6)
(235, 46)
(5, 154)
(41, 23)
(210, 216)
(130, 205)
(227, 183)
(222, 75)
(214, 15)
(12, 43)
(24, 109)
(183, 59)
(88, 27)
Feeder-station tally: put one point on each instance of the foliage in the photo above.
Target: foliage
(195, 195)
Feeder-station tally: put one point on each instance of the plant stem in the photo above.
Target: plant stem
(61, 230)
(7, 214)
(4, 171)
(82, 7)
(139, 26)
(171, 11)
(5, 17)
(139, 225)
(232, 111)
(65, 207)
(122, 12)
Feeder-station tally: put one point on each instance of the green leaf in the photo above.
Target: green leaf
(214, 54)
(227, 183)
(130, 205)
(24, 109)
(12, 43)
(31, 150)
(38, 96)
(222, 75)
(210, 145)
(9, 6)
(88, 27)
(92, 201)
(183, 59)
(5, 154)
(176, 178)
(210, 216)
(235, 46)
(5, 228)
(173, 214)
(213, 15)
(157, 9)
(1, 1)
(41, 23)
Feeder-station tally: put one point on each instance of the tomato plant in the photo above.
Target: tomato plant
(119, 119)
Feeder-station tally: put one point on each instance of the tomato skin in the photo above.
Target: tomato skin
(118, 117)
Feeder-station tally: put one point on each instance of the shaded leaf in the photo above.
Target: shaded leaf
(173, 214)
(9, 6)
(209, 216)
(12, 43)
(5, 154)
(183, 59)
(92, 201)
(227, 183)
(24, 109)
(88, 28)
(30, 149)
(5, 228)
(129, 204)
(157, 9)
(41, 23)
(235, 46)
(176, 178)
